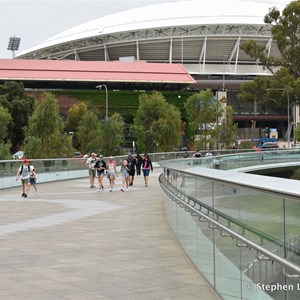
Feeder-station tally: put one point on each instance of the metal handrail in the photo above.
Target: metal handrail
(241, 240)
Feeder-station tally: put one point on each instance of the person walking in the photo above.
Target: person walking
(90, 162)
(24, 173)
(139, 161)
(32, 180)
(197, 154)
(111, 172)
(125, 175)
(146, 167)
(131, 165)
(100, 166)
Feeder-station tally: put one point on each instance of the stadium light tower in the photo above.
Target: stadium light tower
(13, 44)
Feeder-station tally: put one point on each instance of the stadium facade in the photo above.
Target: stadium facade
(204, 36)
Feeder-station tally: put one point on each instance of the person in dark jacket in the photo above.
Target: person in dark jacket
(131, 166)
(139, 161)
(146, 168)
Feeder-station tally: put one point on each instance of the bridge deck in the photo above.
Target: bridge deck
(71, 242)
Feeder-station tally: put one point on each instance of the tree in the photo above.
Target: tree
(5, 119)
(20, 107)
(210, 122)
(286, 69)
(202, 110)
(297, 133)
(157, 125)
(75, 114)
(111, 135)
(45, 136)
(89, 132)
(229, 129)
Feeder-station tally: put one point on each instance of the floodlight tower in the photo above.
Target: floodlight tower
(13, 44)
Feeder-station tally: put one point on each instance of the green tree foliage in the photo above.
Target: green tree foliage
(228, 130)
(111, 135)
(210, 123)
(5, 119)
(286, 69)
(45, 136)
(5, 151)
(75, 114)
(297, 133)
(20, 107)
(296, 174)
(202, 111)
(88, 133)
(157, 125)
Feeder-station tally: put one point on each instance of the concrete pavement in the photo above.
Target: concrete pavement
(72, 242)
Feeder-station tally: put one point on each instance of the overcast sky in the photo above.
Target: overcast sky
(36, 21)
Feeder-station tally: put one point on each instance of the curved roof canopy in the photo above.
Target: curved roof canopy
(203, 35)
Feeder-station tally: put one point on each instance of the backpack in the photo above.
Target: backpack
(29, 168)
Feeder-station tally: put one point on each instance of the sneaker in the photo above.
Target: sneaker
(92, 186)
(25, 195)
(126, 190)
(110, 190)
(146, 184)
(36, 193)
(100, 190)
(122, 189)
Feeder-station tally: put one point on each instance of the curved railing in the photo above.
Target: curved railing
(67, 168)
(240, 230)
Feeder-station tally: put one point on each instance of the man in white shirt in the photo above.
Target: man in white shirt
(24, 173)
(91, 161)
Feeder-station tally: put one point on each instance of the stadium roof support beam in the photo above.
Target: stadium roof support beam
(77, 56)
(137, 50)
(106, 54)
(269, 46)
(235, 51)
(202, 56)
(171, 51)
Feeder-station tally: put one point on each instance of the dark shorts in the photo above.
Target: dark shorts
(100, 173)
(32, 181)
(146, 172)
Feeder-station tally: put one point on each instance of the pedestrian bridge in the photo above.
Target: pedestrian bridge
(240, 230)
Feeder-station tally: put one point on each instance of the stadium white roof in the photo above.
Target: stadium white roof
(182, 13)
(200, 34)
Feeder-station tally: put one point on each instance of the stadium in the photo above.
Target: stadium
(204, 36)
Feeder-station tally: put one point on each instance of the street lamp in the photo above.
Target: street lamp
(288, 112)
(106, 97)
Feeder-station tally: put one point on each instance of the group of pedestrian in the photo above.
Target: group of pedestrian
(97, 168)
(128, 168)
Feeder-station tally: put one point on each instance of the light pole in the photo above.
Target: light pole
(106, 98)
(288, 112)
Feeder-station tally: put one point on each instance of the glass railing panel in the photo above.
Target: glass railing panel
(292, 231)
(256, 215)
(262, 218)
(255, 273)
(205, 250)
